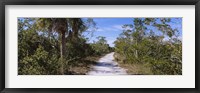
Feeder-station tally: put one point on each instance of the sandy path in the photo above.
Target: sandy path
(107, 66)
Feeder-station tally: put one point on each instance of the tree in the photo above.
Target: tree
(52, 45)
(100, 46)
(78, 26)
(59, 25)
(160, 49)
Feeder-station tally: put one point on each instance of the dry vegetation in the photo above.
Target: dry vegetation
(84, 65)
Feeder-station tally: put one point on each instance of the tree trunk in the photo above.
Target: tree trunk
(136, 51)
(75, 28)
(63, 47)
(62, 52)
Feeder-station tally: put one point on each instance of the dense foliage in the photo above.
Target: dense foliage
(140, 43)
(101, 46)
(53, 46)
(46, 47)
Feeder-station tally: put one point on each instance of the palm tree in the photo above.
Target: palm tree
(59, 25)
(77, 26)
(63, 27)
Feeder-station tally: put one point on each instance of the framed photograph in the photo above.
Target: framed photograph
(58, 46)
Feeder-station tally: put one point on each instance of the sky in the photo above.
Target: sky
(111, 28)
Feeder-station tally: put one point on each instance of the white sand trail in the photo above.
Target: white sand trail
(107, 66)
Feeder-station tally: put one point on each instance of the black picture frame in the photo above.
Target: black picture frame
(3, 3)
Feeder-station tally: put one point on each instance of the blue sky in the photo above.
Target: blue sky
(112, 27)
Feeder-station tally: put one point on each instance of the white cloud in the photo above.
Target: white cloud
(111, 28)
(166, 38)
(110, 41)
(119, 27)
(180, 38)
